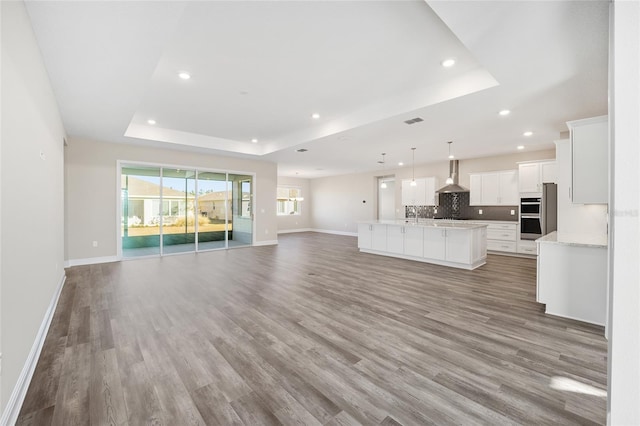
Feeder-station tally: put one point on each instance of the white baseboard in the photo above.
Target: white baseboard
(12, 410)
(328, 231)
(266, 243)
(291, 231)
(90, 261)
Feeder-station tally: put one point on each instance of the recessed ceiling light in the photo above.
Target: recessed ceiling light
(448, 62)
(254, 140)
(504, 112)
(527, 133)
(315, 115)
(520, 146)
(152, 122)
(401, 164)
(184, 75)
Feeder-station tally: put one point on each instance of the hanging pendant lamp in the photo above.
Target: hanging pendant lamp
(413, 173)
(383, 185)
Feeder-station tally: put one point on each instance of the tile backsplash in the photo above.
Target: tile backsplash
(456, 206)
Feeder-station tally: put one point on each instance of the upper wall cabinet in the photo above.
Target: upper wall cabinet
(589, 160)
(422, 194)
(532, 174)
(494, 189)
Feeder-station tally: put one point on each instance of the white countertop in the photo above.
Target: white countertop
(584, 240)
(428, 223)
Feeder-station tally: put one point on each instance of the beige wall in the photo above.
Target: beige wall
(289, 222)
(91, 191)
(338, 201)
(31, 221)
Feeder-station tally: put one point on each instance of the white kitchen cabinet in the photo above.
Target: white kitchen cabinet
(501, 236)
(529, 177)
(490, 189)
(395, 239)
(372, 237)
(435, 243)
(458, 246)
(430, 187)
(413, 237)
(423, 194)
(548, 172)
(572, 278)
(365, 235)
(533, 174)
(590, 160)
(475, 190)
(494, 188)
(452, 245)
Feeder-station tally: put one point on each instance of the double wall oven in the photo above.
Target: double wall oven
(538, 214)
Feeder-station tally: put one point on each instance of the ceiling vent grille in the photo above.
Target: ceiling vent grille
(414, 120)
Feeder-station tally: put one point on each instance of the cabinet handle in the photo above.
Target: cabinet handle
(370, 227)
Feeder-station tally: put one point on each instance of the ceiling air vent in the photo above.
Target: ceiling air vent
(302, 150)
(414, 120)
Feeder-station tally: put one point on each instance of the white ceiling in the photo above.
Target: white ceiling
(260, 69)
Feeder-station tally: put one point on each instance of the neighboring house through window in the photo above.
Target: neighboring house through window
(289, 200)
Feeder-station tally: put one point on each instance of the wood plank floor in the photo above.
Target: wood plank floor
(310, 332)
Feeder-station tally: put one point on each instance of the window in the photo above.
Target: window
(289, 199)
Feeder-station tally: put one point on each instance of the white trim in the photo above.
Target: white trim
(472, 266)
(91, 261)
(12, 410)
(265, 243)
(601, 324)
(290, 231)
(328, 231)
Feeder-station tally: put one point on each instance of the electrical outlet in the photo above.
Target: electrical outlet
(513, 212)
(95, 244)
(479, 211)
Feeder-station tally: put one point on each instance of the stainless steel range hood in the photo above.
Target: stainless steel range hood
(453, 175)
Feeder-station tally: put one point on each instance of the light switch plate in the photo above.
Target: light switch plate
(479, 211)
(513, 212)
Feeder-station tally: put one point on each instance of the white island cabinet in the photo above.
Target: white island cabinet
(455, 244)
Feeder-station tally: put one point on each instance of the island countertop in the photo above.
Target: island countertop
(428, 223)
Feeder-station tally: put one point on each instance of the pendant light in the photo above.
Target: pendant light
(413, 155)
(449, 180)
(383, 185)
(451, 157)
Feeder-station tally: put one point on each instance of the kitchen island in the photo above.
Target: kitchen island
(442, 242)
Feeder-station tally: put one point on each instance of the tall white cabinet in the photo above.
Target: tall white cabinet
(589, 160)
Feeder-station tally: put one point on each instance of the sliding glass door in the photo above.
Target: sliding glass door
(213, 211)
(140, 202)
(178, 210)
(171, 210)
(241, 200)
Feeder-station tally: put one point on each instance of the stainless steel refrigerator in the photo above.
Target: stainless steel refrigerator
(539, 215)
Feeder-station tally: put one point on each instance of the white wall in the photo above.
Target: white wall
(295, 222)
(575, 218)
(91, 190)
(32, 194)
(338, 200)
(624, 296)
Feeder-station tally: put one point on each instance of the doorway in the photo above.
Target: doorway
(386, 198)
